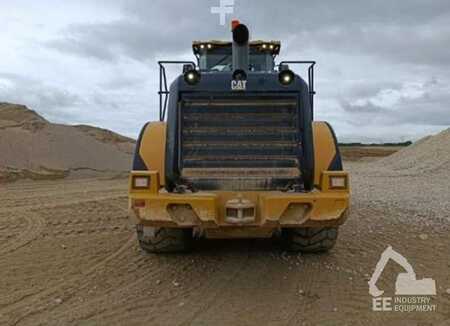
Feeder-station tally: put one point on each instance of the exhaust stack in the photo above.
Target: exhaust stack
(241, 50)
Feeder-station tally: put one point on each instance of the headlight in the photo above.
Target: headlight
(141, 182)
(286, 77)
(192, 77)
(338, 182)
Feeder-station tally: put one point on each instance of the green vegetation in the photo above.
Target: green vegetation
(404, 144)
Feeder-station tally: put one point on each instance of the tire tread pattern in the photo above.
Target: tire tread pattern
(312, 240)
(165, 240)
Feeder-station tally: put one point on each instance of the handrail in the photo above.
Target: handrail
(311, 90)
(163, 89)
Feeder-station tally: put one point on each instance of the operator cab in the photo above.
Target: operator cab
(216, 56)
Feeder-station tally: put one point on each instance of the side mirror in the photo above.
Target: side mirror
(283, 67)
(187, 67)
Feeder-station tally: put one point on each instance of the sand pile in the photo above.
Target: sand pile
(32, 147)
(430, 154)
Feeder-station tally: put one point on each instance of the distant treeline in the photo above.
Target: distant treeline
(406, 143)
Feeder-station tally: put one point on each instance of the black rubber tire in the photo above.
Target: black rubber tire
(314, 240)
(165, 240)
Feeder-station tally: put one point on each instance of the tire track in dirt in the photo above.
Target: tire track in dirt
(338, 268)
(196, 287)
(34, 225)
(39, 203)
(46, 296)
(353, 261)
(35, 195)
(129, 295)
(133, 296)
(210, 294)
(245, 288)
(306, 286)
(212, 291)
(237, 283)
(233, 267)
(99, 217)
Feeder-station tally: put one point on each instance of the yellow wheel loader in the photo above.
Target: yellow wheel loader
(237, 154)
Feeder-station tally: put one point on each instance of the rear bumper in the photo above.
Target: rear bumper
(272, 209)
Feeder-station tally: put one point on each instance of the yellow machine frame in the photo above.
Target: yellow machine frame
(205, 211)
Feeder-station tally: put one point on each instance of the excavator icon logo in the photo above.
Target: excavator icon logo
(406, 283)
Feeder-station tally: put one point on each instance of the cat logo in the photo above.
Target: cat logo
(238, 85)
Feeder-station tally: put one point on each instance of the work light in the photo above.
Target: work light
(286, 77)
(192, 77)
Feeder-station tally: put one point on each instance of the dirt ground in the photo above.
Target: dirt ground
(68, 256)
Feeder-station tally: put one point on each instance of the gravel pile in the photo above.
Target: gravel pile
(414, 180)
(428, 155)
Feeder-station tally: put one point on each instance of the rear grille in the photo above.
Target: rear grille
(225, 140)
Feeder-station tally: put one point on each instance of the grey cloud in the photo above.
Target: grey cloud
(368, 108)
(406, 32)
(398, 44)
(75, 44)
(363, 48)
(123, 82)
(431, 108)
(149, 29)
(48, 100)
(120, 111)
(360, 115)
(369, 88)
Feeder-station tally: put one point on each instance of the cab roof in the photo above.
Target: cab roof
(272, 47)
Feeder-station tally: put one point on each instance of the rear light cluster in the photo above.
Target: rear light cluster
(338, 182)
(141, 182)
(144, 182)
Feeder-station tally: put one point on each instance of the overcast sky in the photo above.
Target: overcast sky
(383, 70)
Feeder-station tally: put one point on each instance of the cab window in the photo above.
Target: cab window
(221, 60)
